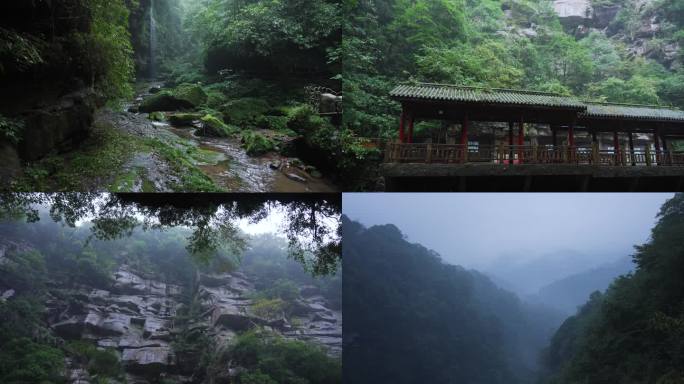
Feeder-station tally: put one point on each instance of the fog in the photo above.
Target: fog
(522, 240)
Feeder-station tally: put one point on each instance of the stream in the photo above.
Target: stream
(231, 168)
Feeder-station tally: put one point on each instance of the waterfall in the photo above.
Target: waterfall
(153, 42)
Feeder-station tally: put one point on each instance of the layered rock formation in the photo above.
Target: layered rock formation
(136, 318)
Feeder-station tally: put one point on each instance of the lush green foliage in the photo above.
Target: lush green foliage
(634, 332)
(514, 44)
(269, 358)
(285, 36)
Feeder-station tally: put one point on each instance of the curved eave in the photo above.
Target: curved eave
(584, 117)
(485, 103)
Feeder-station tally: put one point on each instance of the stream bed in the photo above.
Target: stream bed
(227, 163)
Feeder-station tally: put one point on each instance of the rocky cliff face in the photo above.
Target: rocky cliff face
(136, 317)
(580, 17)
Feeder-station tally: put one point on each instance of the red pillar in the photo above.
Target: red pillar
(571, 142)
(616, 146)
(464, 131)
(464, 137)
(521, 139)
(510, 142)
(401, 127)
(656, 142)
(410, 131)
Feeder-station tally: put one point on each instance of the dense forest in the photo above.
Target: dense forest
(428, 320)
(632, 333)
(618, 51)
(144, 95)
(143, 308)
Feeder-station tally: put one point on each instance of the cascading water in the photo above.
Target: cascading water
(153, 42)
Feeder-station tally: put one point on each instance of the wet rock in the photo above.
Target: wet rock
(308, 291)
(234, 318)
(183, 119)
(6, 295)
(156, 116)
(147, 360)
(155, 89)
(295, 177)
(573, 13)
(164, 101)
(71, 328)
(59, 126)
(79, 376)
(11, 164)
(275, 165)
(213, 127)
(192, 93)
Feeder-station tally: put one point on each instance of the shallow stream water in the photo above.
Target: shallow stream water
(232, 169)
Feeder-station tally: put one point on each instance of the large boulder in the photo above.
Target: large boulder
(180, 119)
(164, 101)
(185, 96)
(11, 165)
(573, 13)
(213, 127)
(192, 93)
(147, 360)
(235, 318)
(57, 127)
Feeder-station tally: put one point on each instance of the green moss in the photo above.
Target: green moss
(192, 93)
(157, 116)
(99, 158)
(183, 118)
(163, 101)
(244, 112)
(192, 178)
(276, 123)
(215, 98)
(257, 144)
(205, 156)
(212, 126)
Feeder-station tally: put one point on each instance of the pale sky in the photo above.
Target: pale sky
(477, 229)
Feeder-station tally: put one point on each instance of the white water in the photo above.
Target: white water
(153, 42)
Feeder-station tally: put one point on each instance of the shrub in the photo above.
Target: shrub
(257, 144)
(266, 354)
(244, 112)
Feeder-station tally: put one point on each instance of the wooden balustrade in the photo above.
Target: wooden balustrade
(526, 154)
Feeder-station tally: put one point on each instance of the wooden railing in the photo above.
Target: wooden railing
(527, 154)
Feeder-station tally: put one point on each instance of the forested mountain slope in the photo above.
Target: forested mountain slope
(569, 293)
(619, 51)
(412, 318)
(634, 333)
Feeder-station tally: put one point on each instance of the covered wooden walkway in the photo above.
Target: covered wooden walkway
(638, 135)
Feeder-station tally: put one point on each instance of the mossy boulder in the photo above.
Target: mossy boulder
(157, 116)
(164, 101)
(245, 111)
(185, 96)
(213, 127)
(178, 119)
(192, 93)
(257, 144)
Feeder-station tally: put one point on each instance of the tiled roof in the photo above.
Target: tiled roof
(636, 112)
(442, 92)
